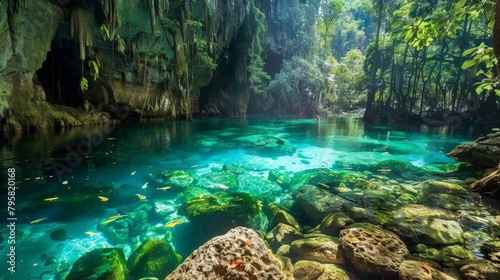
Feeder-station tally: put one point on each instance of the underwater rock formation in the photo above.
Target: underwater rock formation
(320, 248)
(240, 254)
(373, 251)
(105, 264)
(154, 258)
(415, 270)
(317, 203)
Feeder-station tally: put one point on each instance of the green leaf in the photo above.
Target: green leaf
(469, 63)
(94, 66)
(84, 84)
(469, 51)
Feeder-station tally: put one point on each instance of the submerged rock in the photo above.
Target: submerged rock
(101, 264)
(317, 203)
(412, 211)
(334, 223)
(153, 258)
(404, 230)
(323, 249)
(373, 251)
(437, 231)
(240, 254)
(305, 270)
(279, 177)
(283, 234)
(415, 270)
(325, 178)
(480, 270)
(333, 271)
(222, 209)
(483, 152)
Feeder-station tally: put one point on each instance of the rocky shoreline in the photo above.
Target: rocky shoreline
(390, 220)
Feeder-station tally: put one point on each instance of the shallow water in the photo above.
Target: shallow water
(128, 156)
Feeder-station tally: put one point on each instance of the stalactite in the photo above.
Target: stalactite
(111, 10)
(82, 24)
(13, 7)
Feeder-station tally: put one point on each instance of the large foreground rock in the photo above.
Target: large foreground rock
(240, 254)
(484, 152)
(373, 251)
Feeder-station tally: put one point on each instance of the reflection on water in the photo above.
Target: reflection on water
(79, 168)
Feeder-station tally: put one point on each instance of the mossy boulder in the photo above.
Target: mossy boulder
(179, 179)
(281, 216)
(440, 167)
(483, 152)
(413, 211)
(320, 248)
(317, 203)
(279, 177)
(100, 264)
(153, 258)
(305, 270)
(414, 270)
(233, 168)
(334, 223)
(325, 178)
(438, 231)
(126, 226)
(235, 209)
(447, 255)
(480, 270)
(334, 271)
(283, 234)
(191, 193)
(374, 199)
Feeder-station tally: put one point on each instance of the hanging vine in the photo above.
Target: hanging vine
(82, 23)
(111, 10)
(157, 8)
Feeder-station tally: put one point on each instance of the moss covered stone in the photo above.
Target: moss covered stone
(100, 264)
(227, 208)
(153, 258)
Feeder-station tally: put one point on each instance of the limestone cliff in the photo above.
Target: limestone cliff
(151, 57)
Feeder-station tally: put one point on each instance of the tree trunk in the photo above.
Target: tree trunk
(372, 90)
(496, 36)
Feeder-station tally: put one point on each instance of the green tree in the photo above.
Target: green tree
(329, 13)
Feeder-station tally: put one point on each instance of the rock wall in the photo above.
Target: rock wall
(141, 76)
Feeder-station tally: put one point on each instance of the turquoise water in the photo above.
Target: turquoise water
(52, 168)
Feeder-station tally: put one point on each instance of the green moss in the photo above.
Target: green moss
(232, 208)
(153, 258)
(100, 264)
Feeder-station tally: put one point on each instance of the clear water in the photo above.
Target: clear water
(128, 155)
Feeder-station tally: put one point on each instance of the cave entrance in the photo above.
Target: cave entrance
(60, 73)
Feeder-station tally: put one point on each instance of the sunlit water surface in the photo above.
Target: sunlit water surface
(128, 156)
